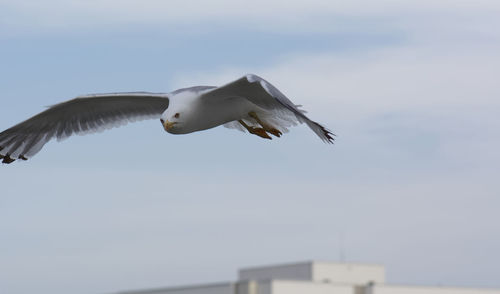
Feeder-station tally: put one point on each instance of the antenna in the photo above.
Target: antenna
(341, 248)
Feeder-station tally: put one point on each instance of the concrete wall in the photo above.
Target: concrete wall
(223, 288)
(297, 271)
(297, 287)
(309, 287)
(264, 287)
(386, 289)
(360, 274)
(246, 287)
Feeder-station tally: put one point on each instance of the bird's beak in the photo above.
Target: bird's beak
(167, 125)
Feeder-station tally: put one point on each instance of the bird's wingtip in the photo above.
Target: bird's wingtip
(7, 159)
(328, 136)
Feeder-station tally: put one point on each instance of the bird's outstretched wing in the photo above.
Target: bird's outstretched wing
(84, 114)
(263, 94)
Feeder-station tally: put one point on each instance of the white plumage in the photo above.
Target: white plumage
(249, 103)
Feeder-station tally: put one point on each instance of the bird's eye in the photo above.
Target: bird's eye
(162, 121)
(177, 115)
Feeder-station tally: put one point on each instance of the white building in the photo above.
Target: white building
(312, 277)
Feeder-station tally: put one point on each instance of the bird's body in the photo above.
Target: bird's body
(204, 113)
(249, 103)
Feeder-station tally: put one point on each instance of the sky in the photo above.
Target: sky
(409, 87)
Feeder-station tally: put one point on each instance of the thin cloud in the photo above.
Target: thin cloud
(313, 16)
(389, 80)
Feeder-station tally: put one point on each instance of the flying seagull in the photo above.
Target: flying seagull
(249, 103)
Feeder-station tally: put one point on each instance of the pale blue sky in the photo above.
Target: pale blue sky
(412, 181)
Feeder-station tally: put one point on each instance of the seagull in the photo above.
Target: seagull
(249, 103)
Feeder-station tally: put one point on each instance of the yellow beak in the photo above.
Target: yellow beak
(167, 125)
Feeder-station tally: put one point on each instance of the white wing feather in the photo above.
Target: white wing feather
(263, 94)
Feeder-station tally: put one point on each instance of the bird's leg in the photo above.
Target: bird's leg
(256, 131)
(266, 127)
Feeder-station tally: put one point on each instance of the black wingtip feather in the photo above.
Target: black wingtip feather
(329, 136)
(7, 159)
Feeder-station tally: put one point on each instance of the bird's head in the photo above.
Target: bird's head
(181, 115)
(174, 119)
(171, 121)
